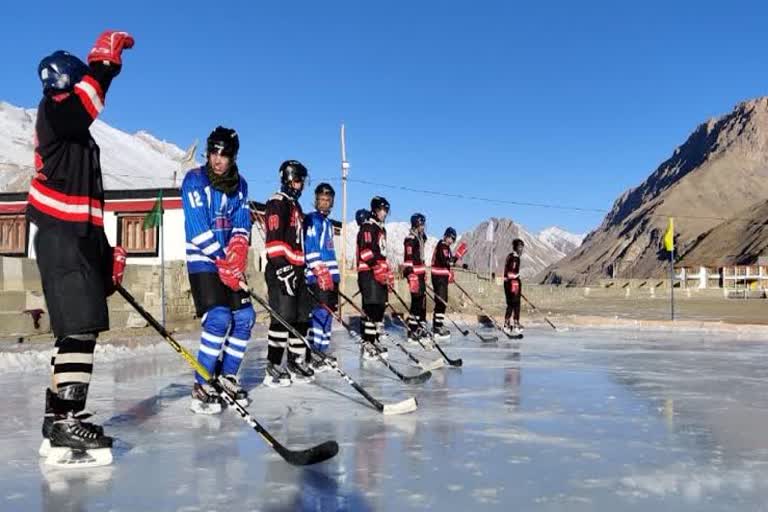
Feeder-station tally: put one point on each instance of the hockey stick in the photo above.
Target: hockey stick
(414, 379)
(319, 453)
(539, 312)
(405, 406)
(482, 310)
(452, 362)
(435, 298)
(485, 339)
(437, 363)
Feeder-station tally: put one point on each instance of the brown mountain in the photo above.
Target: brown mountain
(716, 173)
(740, 240)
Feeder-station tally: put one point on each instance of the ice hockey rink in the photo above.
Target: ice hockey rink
(577, 420)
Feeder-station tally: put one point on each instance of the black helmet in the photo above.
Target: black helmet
(325, 189)
(223, 141)
(361, 216)
(517, 243)
(378, 203)
(418, 219)
(451, 233)
(290, 171)
(60, 71)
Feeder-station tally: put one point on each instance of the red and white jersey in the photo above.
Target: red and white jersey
(283, 221)
(371, 245)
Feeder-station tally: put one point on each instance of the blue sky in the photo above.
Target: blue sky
(554, 103)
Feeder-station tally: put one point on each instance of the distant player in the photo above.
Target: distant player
(513, 289)
(442, 275)
(374, 276)
(78, 268)
(415, 271)
(217, 222)
(285, 276)
(322, 272)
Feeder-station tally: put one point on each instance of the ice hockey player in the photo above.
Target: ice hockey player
(442, 275)
(217, 222)
(78, 268)
(415, 271)
(322, 272)
(513, 289)
(284, 274)
(374, 277)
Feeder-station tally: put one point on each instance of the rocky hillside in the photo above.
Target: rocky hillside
(740, 240)
(720, 168)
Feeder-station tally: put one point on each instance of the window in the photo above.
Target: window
(13, 235)
(136, 240)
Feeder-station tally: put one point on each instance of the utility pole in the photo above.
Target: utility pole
(344, 172)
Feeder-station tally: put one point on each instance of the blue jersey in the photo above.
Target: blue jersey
(211, 218)
(318, 246)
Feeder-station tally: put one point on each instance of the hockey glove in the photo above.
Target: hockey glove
(237, 253)
(461, 250)
(118, 264)
(413, 283)
(323, 276)
(287, 277)
(451, 277)
(382, 274)
(228, 276)
(514, 286)
(109, 47)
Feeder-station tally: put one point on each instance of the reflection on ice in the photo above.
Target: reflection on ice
(578, 421)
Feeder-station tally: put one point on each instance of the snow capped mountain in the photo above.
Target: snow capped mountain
(564, 241)
(128, 161)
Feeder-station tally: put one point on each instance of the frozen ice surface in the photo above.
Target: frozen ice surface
(582, 420)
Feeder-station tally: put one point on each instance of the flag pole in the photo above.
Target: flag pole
(672, 282)
(162, 261)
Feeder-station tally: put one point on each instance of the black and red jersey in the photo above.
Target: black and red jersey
(371, 245)
(442, 260)
(283, 221)
(512, 267)
(67, 190)
(413, 255)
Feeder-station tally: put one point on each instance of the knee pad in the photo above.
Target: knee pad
(216, 320)
(243, 319)
(319, 316)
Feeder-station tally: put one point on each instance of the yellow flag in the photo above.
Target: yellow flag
(669, 236)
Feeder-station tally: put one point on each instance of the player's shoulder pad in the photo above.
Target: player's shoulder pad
(195, 178)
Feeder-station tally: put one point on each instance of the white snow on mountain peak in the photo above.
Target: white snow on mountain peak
(128, 161)
(562, 240)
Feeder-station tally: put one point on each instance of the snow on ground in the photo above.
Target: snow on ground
(583, 420)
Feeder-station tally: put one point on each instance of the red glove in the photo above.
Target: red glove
(514, 286)
(109, 47)
(323, 275)
(118, 264)
(237, 254)
(382, 274)
(229, 276)
(461, 250)
(451, 277)
(413, 283)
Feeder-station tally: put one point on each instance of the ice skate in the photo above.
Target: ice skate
(74, 443)
(441, 333)
(300, 371)
(205, 400)
(231, 384)
(275, 376)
